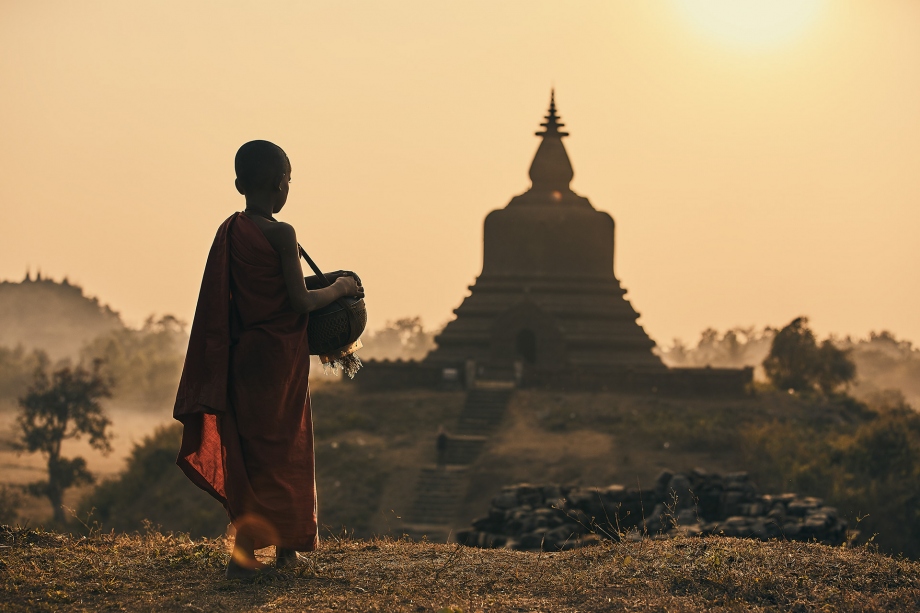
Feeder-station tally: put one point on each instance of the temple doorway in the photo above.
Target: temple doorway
(525, 346)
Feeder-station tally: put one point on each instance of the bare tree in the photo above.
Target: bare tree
(60, 407)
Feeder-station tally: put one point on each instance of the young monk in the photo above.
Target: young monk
(243, 397)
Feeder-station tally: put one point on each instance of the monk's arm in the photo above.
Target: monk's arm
(313, 282)
(284, 240)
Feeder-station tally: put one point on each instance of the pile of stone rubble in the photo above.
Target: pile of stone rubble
(552, 517)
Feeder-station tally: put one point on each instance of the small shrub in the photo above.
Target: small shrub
(153, 489)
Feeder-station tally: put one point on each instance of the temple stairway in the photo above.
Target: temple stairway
(484, 408)
(441, 487)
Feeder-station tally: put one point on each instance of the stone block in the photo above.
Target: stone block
(778, 513)
(529, 494)
(686, 517)
(679, 486)
(730, 503)
(524, 516)
(661, 484)
(532, 541)
(485, 523)
(555, 538)
(505, 500)
(751, 509)
(791, 529)
(551, 492)
(801, 506)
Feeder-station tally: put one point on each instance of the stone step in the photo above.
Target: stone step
(439, 476)
(492, 412)
(491, 392)
(483, 410)
(485, 405)
(462, 449)
(493, 384)
(439, 490)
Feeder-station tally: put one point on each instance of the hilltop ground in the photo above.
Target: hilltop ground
(44, 571)
(369, 447)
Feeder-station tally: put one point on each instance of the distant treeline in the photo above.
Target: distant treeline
(146, 362)
(403, 339)
(882, 361)
(44, 321)
(143, 363)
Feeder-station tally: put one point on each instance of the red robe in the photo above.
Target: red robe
(243, 398)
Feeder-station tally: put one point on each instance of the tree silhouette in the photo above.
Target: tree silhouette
(796, 361)
(792, 357)
(404, 338)
(60, 407)
(834, 368)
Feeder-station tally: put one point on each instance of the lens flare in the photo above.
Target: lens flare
(751, 23)
(257, 528)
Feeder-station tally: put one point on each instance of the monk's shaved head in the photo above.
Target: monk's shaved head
(259, 164)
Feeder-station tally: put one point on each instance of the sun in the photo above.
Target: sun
(751, 23)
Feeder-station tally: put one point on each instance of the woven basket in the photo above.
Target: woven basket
(335, 329)
(332, 327)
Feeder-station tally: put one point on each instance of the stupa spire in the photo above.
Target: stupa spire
(551, 171)
(552, 123)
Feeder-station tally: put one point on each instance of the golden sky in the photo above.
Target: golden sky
(760, 163)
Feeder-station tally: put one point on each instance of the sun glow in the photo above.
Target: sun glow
(751, 23)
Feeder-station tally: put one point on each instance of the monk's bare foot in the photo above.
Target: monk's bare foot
(288, 557)
(247, 569)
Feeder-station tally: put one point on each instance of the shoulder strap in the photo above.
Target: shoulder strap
(319, 273)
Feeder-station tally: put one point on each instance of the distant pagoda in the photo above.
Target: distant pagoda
(547, 295)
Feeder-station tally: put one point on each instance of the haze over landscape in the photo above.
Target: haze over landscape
(753, 178)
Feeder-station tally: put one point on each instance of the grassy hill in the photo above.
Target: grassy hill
(45, 571)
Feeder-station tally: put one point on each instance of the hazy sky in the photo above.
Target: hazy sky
(761, 159)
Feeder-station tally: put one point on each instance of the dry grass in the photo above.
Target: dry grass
(44, 571)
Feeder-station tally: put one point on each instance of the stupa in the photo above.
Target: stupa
(547, 296)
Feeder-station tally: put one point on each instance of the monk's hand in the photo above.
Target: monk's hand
(349, 287)
(345, 273)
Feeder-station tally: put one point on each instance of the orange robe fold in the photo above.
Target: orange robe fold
(243, 397)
